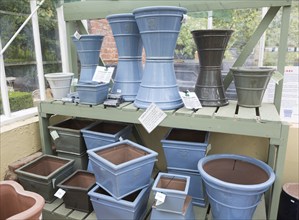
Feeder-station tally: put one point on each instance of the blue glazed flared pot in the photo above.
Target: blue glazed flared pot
(159, 28)
(126, 34)
(159, 86)
(128, 78)
(234, 184)
(129, 46)
(88, 49)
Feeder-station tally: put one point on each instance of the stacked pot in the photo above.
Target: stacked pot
(172, 201)
(159, 29)
(183, 149)
(211, 45)
(123, 177)
(88, 49)
(129, 46)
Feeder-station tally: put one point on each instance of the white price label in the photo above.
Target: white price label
(185, 18)
(160, 198)
(152, 117)
(103, 74)
(54, 135)
(120, 138)
(190, 100)
(118, 91)
(277, 76)
(60, 193)
(77, 35)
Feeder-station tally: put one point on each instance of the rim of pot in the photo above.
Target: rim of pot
(252, 68)
(251, 187)
(209, 30)
(58, 74)
(120, 15)
(158, 8)
(88, 35)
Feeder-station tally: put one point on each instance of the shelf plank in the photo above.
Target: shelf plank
(227, 111)
(78, 215)
(131, 108)
(247, 114)
(184, 112)
(61, 210)
(91, 216)
(50, 207)
(205, 112)
(268, 113)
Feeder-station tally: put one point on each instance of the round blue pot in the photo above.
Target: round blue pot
(159, 28)
(158, 85)
(234, 184)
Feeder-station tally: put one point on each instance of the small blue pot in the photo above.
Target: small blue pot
(159, 85)
(159, 28)
(92, 93)
(234, 184)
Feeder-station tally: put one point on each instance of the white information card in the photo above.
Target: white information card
(190, 100)
(103, 74)
(152, 117)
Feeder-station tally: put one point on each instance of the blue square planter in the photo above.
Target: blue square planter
(123, 167)
(103, 133)
(175, 187)
(184, 148)
(92, 93)
(186, 214)
(132, 206)
(196, 188)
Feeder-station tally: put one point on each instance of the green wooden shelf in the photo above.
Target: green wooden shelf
(261, 122)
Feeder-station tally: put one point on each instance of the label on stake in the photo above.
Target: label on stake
(60, 193)
(160, 198)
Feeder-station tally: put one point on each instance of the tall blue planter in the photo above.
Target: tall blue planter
(159, 28)
(129, 46)
(88, 49)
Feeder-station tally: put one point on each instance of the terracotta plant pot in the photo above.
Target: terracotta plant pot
(16, 203)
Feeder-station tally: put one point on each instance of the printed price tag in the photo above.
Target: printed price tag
(54, 135)
(118, 91)
(120, 138)
(190, 100)
(277, 76)
(60, 193)
(152, 117)
(185, 18)
(103, 74)
(77, 35)
(160, 198)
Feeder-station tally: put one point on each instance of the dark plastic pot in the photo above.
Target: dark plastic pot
(234, 184)
(251, 84)
(289, 202)
(211, 45)
(76, 188)
(43, 174)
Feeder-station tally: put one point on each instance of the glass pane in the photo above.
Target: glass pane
(19, 58)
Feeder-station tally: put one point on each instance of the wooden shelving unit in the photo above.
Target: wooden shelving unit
(261, 122)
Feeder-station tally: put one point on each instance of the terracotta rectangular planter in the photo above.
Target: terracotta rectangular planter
(123, 167)
(77, 186)
(42, 175)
